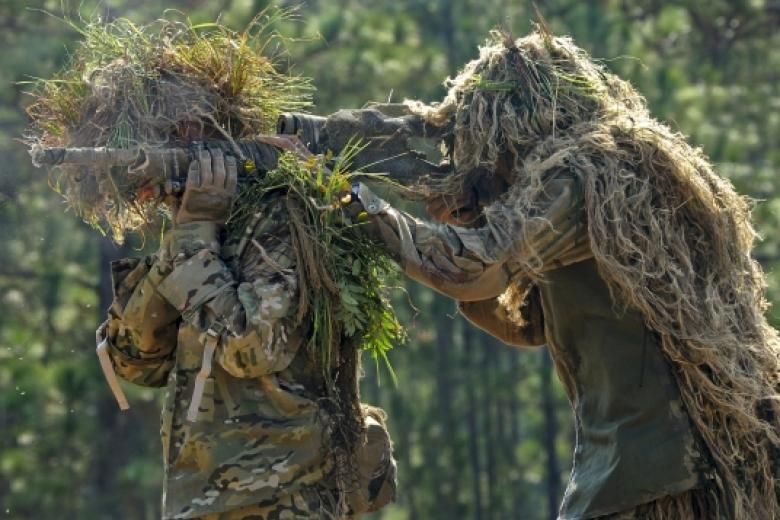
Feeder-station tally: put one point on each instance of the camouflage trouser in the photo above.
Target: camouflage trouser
(376, 486)
(306, 504)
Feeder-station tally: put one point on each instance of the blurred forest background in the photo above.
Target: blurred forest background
(482, 431)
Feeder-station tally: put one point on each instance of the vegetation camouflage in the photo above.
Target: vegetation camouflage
(481, 431)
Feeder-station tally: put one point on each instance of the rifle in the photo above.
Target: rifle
(384, 148)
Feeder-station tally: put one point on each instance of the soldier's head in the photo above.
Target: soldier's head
(520, 93)
(152, 87)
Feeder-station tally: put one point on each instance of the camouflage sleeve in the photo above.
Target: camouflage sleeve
(474, 264)
(250, 315)
(141, 328)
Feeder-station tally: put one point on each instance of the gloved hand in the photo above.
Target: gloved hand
(210, 189)
(370, 210)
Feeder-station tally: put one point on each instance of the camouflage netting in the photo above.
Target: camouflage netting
(671, 238)
(129, 86)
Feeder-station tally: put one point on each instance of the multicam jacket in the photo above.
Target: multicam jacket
(634, 440)
(258, 433)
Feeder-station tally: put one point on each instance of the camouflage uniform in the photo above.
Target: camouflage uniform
(623, 393)
(257, 443)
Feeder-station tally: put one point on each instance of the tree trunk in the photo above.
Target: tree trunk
(550, 435)
(472, 424)
(109, 455)
(447, 492)
(490, 430)
(514, 430)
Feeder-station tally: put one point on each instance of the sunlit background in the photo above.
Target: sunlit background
(481, 430)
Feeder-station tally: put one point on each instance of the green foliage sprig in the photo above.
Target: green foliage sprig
(349, 300)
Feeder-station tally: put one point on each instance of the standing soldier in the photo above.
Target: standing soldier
(213, 318)
(577, 220)
(262, 417)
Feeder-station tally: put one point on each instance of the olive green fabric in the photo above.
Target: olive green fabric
(634, 439)
(260, 435)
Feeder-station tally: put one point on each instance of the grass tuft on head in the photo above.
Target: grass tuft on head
(129, 85)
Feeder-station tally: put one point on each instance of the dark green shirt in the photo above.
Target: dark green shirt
(634, 439)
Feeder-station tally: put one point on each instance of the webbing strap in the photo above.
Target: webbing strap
(110, 374)
(212, 338)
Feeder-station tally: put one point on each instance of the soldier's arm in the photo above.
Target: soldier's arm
(141, 329)
(249, 317)
(471, 264)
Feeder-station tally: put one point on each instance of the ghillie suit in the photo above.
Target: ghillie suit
(149, 86)
(284, 302)
(670, 238)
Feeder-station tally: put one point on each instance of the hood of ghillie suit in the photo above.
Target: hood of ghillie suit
(146, 86)
(671, 238)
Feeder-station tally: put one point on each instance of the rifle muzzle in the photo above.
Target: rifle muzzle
(307, 127)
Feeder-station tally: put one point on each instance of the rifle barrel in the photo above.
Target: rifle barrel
(171, 161)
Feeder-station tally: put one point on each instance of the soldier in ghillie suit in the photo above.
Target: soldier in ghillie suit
(264, 437)
(576, 220)
(262, 417)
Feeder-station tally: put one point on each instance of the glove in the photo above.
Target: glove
(370, 210)
(369, 201)
(210, 188)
